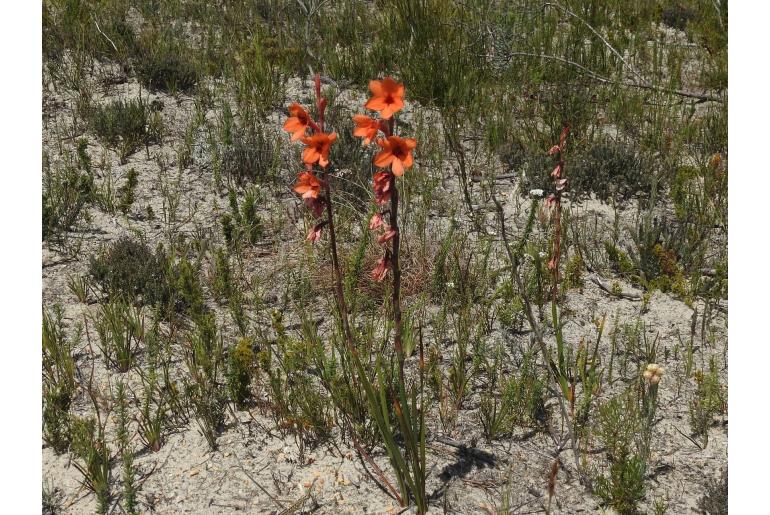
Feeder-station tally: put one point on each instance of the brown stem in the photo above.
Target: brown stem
(396, 273)
(394, 263)
(556, 246)
(343, 308)
(341, 305)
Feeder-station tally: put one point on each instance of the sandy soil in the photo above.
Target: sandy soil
(257, 471)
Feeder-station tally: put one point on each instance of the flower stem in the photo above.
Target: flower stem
(343, 309)
(395, 264)
(341, 305)
(396, 274)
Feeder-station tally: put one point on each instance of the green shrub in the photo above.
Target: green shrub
(163, 64)
(619, 260)
(126, 193)
(618, 424)
(249, 155)
(677, 16)
(708, 401)
(607, 169)
(126, 125)
(241, 367)
(92, 459)
(222, 277)
(243, 225)
(714, 501)
(58, 381)
(67, 190)
(130, 268)
(120, 328)
(205, 363)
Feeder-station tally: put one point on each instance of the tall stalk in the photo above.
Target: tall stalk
(384, 404)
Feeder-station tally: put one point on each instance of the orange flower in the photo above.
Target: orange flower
(366, 128)
(387, 97)
(318, 148)
(298, 123)
(396, 152)
(381, 187)
(308, 185)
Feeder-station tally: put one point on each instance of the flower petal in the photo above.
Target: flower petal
(383, 159)
(375, 87)
(376, 104)
(398, 167)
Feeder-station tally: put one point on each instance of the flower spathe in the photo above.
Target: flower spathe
(396, 153)
(382, 190)
(387, 97)
(387, 235)
(317, 150)
(315, 233)
(375, 222)
(316, 205)
(381, 270)
(298, 122)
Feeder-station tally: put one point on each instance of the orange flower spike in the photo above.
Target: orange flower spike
(308, 185)
(396, 152)
(318, 148)
(366, 128)
(387, 97)
(298, 122)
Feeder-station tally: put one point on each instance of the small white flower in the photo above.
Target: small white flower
(450, 284)
(536, 192)
(542, 254)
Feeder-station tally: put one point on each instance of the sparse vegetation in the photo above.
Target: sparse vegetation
(392, 244)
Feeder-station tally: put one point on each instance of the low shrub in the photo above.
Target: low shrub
(126, 125)
(607, 169)
(163, 65)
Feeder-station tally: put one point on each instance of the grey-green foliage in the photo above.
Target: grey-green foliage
(163, 64)
(608, 169)
(714, 501)
(249, 152)
(126, 125)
